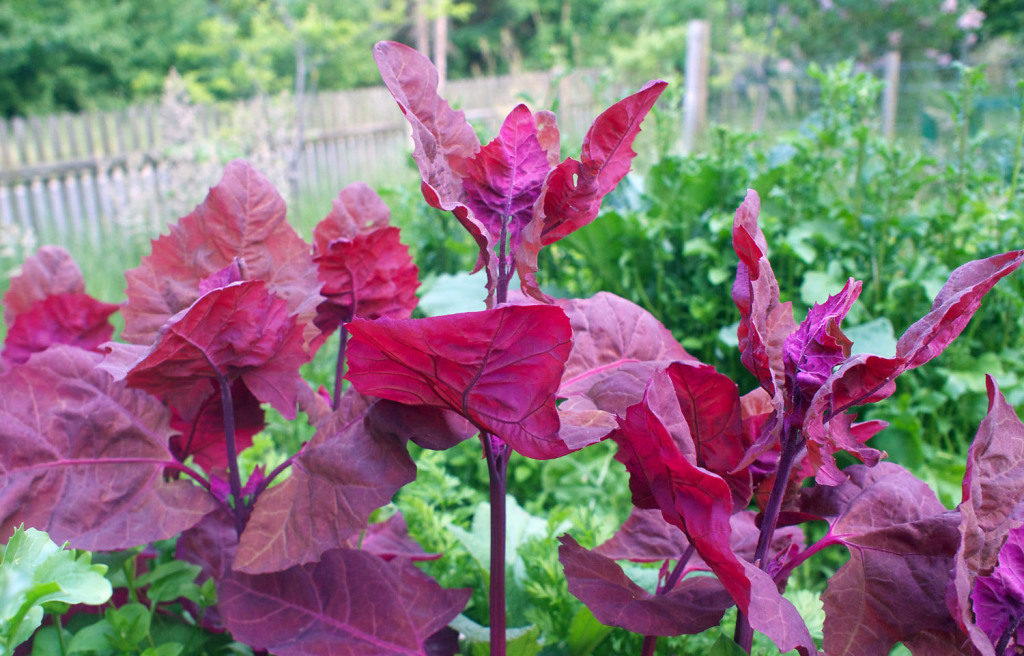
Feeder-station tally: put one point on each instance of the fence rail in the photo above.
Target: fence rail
(78, 174)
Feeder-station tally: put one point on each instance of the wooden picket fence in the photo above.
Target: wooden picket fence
(71, 176)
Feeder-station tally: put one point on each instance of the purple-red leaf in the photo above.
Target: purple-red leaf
(693, 605)
(201, 426)
(497, 368)
(342, 475)
(700, 503)
(357, 210)
(368, 276)
(617, 347)
(765, 322)
(84, 457)
(429, 427)
(51, 271)
(74, 319)
(390, 539)
(999, 597)
(442, 138)
(243, 217)
(992, 506)
(573, 191)
(901, 542)
(238, 332)
(504, 179)
(870, 378)
(350, 603)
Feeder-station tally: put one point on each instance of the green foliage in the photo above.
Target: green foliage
(37, 576)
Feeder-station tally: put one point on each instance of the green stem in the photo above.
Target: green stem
(60, 634)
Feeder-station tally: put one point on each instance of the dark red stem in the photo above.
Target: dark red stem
(497, 454)
(339, 367)
(651, 641)
(1004, 640)
(744, 635)
(234, 478)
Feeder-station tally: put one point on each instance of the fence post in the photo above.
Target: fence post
(695, 98)
(890, 95)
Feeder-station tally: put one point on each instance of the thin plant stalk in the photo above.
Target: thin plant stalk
(744, 635)
(497, 454)
(651, 641)
(339, 366)
(234, 477)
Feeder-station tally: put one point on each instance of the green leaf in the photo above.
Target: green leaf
(97, 637)
(131, 625)
(876, 337)
(34, 571)
(450, 294)
(169, 649)
(526, 643)
(585, 633)
(171, 581)
(520, 526)
(725, 646)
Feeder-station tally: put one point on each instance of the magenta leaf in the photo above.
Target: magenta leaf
(999, 597)
(700, 504)
(238, 332)
(991, 509)
(765, 322)
(869, 378)
(357, 210)
(341, 475)
(617, 347)
(503, 180)
(350, 603)
(431, 428)
(243, 217)
(369, 276)
(573, 191)
(901, 541)
(497, 368)
(390, 539)
(84, 457)
(50, 272)
(74, 319)
(693, 605)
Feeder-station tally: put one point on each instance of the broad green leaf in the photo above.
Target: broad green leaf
(170, 581)
(131, 625)
(520, 526)
(876, 337)
(585, 633)
(725, 646)
(95, 638)
(169, 649)
(35, 571)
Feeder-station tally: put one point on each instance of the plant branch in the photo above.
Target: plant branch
(339, 367)
(744, 635)
(497, 454)
(1004, 640)
(234, 478)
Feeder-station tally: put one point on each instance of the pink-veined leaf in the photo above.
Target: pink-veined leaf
(343, 474)
(503, 180)
(49, 272)
(901, 541)
(869, 378)
(350, 603)
(497, 368)
(74, 319)
(243, 217)
(357, 210)
(84, 457)
(201, 426)
(693, 605)
(573, 191)
(617, 346)
(238, 332)
(992, 506)
(368, 276)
